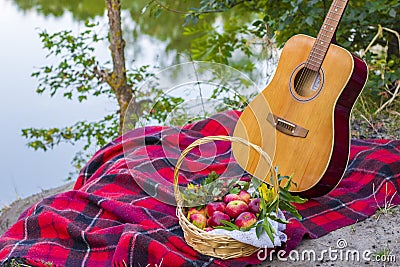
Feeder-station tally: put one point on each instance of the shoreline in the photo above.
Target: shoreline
(10, 213)
(377, 236)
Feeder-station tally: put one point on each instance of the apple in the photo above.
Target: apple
(254, 206)
(245, 219)
(194, 210)
(234, 208)
(216, 219)
(208, 229)
(245, 196)
(215, 206)
(198, 220)
(231, 197)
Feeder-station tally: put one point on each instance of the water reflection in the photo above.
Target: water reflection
(167, 27)
(80, 9)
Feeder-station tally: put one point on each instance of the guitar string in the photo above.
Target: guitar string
(307, 75)
(304, 77)
(312, 74)
(306, 72)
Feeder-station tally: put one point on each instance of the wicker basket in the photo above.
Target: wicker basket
(218, 246)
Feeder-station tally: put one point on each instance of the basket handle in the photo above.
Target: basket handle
(209, 139)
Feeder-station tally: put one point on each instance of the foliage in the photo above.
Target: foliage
(91, 133)
(85, 79)
(269, 203)
(234, 32)
(79, 82)
(225, 30)
(213, 188)
(77, 51)
(79, 9)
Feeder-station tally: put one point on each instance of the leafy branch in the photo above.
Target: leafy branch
(77, 51)
(269, 203)
(192, 15)
(98, 133)
(212, 188)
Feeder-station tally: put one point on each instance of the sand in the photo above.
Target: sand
(361, 244)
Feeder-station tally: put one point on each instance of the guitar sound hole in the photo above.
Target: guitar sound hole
(307, 83)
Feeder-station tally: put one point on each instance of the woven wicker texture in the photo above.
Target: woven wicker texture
(218, 246)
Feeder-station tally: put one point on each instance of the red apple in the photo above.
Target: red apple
(254, 206)
(216, 219)
(198, 220)
(194, 210)
(231, 197)
(245, 219)
(214, 206)
(245, 196)
(234, 208)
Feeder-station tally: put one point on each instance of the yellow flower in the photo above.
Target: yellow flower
(191, 186)
(268, 194)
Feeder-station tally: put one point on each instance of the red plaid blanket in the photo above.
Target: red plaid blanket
(112, 218)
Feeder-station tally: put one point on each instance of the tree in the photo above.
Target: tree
(233, 32)
(84, 78)
(79, 75)
(368, 28)
(117, 78)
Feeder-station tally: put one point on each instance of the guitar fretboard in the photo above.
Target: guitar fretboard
(326, 34)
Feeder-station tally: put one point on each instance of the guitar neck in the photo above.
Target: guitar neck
(326, 34)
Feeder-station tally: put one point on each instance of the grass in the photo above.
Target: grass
(376, 113)
(384, 256)
(388, 208)
(17, 262)
(4, 208)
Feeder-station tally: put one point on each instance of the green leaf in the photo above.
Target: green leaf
(213, 176)
(245, 229)
(259, 230)
(82, 97)
(235, 190)
(244, 185)
(256, 182)
(288, 197)
(268, 230)
(288, 183)
(277, 219)
(263, 206)
(290, 208)
(230, 224)
(228, 228)
(271, 207)
(309, 20)
(392, 13)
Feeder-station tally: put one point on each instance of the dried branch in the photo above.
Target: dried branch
(379, 34)
(395, 94)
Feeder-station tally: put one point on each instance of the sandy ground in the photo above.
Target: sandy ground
(372, 242)
(361, 244)
(9, 214)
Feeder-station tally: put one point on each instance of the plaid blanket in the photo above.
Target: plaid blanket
(120, 211)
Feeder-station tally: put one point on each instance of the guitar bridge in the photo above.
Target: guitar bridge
(287, 127)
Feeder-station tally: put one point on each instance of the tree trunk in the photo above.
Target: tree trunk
(117, 79)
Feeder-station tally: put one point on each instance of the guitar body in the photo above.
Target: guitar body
(308, 116)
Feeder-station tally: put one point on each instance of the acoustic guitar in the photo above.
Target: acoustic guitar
(301, 119)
